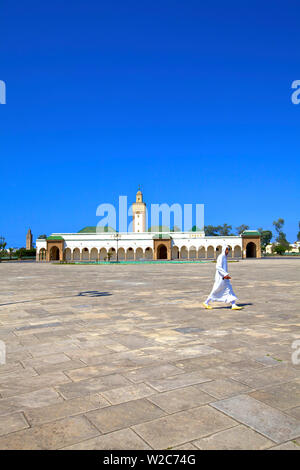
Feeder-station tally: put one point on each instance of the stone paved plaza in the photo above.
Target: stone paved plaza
(125, 357)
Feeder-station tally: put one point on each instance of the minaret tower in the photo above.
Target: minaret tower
(139, 213)
(29, 240)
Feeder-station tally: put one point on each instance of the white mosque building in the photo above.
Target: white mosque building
(89, 245)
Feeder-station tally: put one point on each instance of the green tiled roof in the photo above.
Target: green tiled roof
(161, 236)
(55, 237)
(248, 233)
(96, 229)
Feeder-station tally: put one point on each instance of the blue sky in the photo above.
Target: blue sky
(191, 99)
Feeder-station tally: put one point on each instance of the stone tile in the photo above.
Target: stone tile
(93, 371)
(291, 445)
(124, 439)
(267, 376)
(268, 421)
(12, 423)
(128, 393)
(51, 435)
(67, 408)
(35, 399)
(17, 386)
(152, 373)
(237, 438)
(94, 385)
(223, 388)
(295, 412)
(178, 381)
(124, 415)
(180, 399)
(283, 396)
(187, 446)
(176, 429)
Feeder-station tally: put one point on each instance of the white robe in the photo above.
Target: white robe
(222, 289)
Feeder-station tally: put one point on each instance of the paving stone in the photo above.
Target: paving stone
(287, 446)
(17, 386)
(178, 381)
(223, 388)
(11, 423)
(283, 396)
(124, 439)
(128, 393)
(176, 429)
(268, 421)
(67, 408)
(237, 438)
(152, 373)
(129, 329)
(51, 435)
(85, 387)
(180, 399)
(35, 399)
(124, 415)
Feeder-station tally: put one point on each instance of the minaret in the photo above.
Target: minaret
(29, 240)
(139, 213)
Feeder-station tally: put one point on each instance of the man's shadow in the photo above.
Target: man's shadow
(93, 293)
(229, 306)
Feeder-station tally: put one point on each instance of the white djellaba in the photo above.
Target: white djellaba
(222, 289)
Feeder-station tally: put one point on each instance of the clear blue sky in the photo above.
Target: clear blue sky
(190, 99)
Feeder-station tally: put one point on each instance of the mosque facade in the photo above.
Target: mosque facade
(90, 245)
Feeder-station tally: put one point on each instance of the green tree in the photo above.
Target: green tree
(11, 250)
(42, 237)
(241, 228)
(2, 247)
(281, 236)
(211, 230)
(266, 237)
(298, 234)
(279, 249)
(224, 230)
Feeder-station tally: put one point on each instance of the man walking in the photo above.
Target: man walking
(222, 289)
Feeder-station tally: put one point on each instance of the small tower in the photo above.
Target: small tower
(139, 213)
(29, 240)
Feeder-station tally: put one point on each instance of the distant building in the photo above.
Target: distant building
(29, 240)
(91, 245)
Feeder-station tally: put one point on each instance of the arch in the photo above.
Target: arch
(103, 254)
(230, 254)
(201, 252)
(94, 254)
(218, 250)
(175, 252)
(210, 252)
(42, 254)
(76, 254)
(121, 254)
(67, 254)
(113, 254)
(162, 252)
(183, 252)
(251, 250)
(130, 253)
(85, 254)
(54, 253)
(237, 252)
(149, 253)
(192, 252)
(139, 253)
